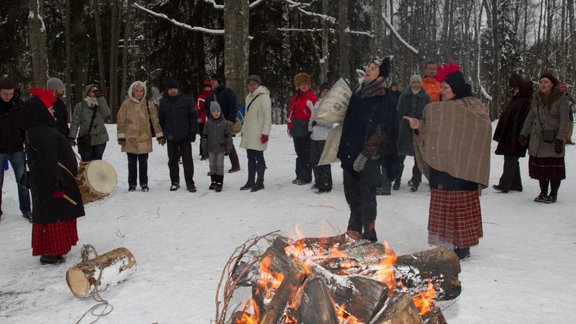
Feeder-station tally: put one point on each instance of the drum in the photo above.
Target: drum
(96, 180)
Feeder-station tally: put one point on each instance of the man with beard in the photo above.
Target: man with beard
(60, 113)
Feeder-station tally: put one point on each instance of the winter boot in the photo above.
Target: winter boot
(219, 183)
(213, 182)
(251, 174)
(260, 181)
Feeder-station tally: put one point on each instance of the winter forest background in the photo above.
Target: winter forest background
(117, 42)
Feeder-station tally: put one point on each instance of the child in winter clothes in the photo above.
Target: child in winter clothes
(319, 134)
(216, 141)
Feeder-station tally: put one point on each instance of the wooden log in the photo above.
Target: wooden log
(435, 316)
(316, 305)
(441, 265)
(116, 266)
(399, 309)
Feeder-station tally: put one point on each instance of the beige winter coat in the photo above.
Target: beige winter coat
(257, 120)
(133, 123)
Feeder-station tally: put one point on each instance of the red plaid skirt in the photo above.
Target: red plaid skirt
(455, 218)
(55, 238)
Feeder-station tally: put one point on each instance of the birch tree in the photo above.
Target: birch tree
(38, 47)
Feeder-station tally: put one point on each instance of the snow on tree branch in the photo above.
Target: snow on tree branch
(410, 47)
(299, 5)
(331, 30)
(221, 7)
(179, 24)
(255, 3)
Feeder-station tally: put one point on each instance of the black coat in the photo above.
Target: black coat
(53, 167)
(226, 98)
(509, 126)
(11, 131)
(410, 105)
(370, 108)
(178, 117)
(61, 116)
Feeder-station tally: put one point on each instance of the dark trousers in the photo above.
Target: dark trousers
(510, 179)
(382, 179)
(95, 153)
(256, 164)
(201, 131)
(18, 163)
(322, 173)
(360, 193)
(135, 162)
(303, 168)
(416, 174)
(177, 150)
(234, 158)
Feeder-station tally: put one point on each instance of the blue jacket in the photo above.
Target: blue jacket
(178, 117)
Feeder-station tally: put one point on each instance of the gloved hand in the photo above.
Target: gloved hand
(523, 140)
(161, 140)
(72, 141)
(98, 93)
(360, 162)
(264, 138)
(58, 194)
(314, 123)
(558, 146)
(121, 141)
(192, 138)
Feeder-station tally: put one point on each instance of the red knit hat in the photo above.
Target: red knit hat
(46, 96)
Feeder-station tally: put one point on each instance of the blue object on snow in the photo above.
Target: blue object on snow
(241, 111)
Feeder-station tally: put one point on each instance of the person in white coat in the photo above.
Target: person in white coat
(255, 131)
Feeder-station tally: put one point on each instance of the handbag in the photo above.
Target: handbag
(150, 121)
(85, 142)
(237, 125)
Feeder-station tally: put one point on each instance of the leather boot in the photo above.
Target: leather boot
(251, 174)
(219, 182)
(260, 180)
(213, 182)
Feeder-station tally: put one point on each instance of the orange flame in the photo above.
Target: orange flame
(248, 318)
(269, 281)
(344, 317)
(386, 273)
(423, 300)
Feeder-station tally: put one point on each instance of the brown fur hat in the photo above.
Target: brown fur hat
(302, 78)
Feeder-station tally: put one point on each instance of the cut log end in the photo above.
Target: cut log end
(78, 283)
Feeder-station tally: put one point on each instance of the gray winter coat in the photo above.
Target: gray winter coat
(216, 136)
(319, 131)
(540, 118)
(410, 105)
(83, 115)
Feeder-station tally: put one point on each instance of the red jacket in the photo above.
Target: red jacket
(298, 107)
(200, 105)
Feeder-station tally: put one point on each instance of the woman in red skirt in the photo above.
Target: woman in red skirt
(53, 166)
(452, 146)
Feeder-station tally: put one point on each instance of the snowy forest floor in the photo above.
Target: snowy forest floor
(522, 271)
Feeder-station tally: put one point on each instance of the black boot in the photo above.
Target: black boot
(260, 181)
(213, 182)
(251, 174)
(219, 182)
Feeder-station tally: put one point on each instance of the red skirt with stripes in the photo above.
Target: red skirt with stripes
(55, 238)
(455, 218)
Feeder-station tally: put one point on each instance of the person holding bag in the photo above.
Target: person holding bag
(88, 123)
(301, 107)
(137, 122)
(544, 132)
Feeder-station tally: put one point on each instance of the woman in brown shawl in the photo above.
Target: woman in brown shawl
(452, 146)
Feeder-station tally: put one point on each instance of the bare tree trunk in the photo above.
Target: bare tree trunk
(113, 78)
(68, 71)
(496, 75)
(324, 63)
(550, 8)
(572, 35)
(344, 40)
(98, 27)
(378, 29)
(540, 22)
(38, 43)
(236, 45)
(563, 50)
(127, 36)
(445, 27)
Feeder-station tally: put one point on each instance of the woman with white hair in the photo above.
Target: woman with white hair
(137, 121)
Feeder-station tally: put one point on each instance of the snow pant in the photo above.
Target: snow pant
(322, 173)
(177, 150)
(216, 160)
(256, 165)
(135, 162)
(95, 153)
(18, 163)
(360, 193)
(510, 179)
(303, 168)
(416, 174)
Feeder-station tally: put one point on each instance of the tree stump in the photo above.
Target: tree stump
(116, 266)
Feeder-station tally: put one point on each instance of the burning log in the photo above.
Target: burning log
(316, 306)
(399, 309)
(435, 317)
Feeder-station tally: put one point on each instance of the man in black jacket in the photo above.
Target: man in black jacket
(179, 121)
(226, 98)
(12, 142)
(369, 134)
(60, 112)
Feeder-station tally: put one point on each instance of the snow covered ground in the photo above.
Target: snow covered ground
(522, 271)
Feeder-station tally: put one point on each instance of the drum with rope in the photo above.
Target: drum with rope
(96, 180)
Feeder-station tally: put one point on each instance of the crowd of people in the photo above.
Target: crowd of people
(436, 120)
